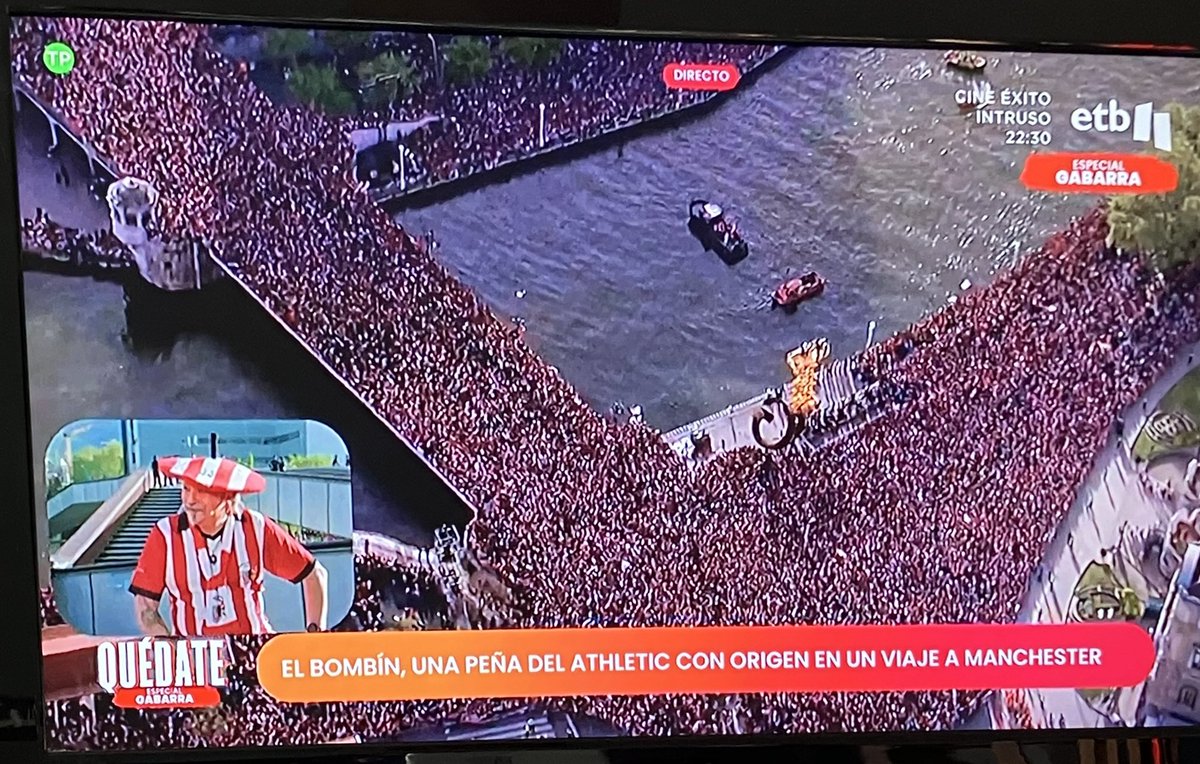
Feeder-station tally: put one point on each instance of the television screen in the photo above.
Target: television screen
(783, 388)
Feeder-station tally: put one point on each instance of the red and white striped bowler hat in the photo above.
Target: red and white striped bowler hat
(218, 475)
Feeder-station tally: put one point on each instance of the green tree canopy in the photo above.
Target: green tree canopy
(247, 460)
(386, 78)
(319, 87)
(532, 52)
(1166, 227)
(98, 462)
(468, 59)
(346, 41)
(287, 45)
(308, 461)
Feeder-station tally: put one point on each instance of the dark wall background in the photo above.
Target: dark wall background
(1051, 21)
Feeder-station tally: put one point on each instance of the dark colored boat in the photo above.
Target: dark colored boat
(708, 223)
(795, 291)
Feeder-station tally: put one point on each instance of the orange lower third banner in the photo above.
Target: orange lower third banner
(306, 668)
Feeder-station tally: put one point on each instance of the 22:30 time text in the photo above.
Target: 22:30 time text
(1027, 137)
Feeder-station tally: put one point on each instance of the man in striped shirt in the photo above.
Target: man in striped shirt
(211, 557)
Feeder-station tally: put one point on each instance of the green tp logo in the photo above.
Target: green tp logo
(58, 57)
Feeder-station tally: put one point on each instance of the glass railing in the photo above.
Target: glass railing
(320, 504)
(80, 493)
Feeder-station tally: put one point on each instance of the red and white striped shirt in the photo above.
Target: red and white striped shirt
(215, 584)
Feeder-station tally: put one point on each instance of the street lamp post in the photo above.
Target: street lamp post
(541, 124)
(437, 61)
(196, 265)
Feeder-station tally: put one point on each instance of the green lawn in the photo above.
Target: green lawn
(1183, 398)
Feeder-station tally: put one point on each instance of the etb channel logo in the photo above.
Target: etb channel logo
(1108, 117)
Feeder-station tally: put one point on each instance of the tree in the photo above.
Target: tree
(1166, 227)
(386, 78)
(98, 462)
(468, 59)
(346, 43)
(320, 87)
(286, 46)
(308, 461)
(532, 52)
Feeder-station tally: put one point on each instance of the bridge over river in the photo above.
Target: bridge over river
(90, 360)
(728, 428)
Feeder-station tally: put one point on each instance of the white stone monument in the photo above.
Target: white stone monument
(171, 264)
(131, 209)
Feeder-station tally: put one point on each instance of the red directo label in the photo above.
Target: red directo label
(701, 76)
(1093, 173)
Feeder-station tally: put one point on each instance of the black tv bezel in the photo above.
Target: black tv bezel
(279, 15)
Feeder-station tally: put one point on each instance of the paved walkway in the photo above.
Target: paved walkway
(1111, 517)
(730, 427)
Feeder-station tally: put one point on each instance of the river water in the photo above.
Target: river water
(855, 163)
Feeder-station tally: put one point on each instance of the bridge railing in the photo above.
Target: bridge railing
(393, 550)
(79, 493)
(61, 123)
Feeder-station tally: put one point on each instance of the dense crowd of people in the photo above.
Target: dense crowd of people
(389, 595)
(247, 714)
(592, 87)
(937, 510)
(1019, 711)
(48, 614)
(95, 250)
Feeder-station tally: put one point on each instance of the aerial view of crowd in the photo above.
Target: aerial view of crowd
(937, 509)
(393, 596)
(95, 250)
(594, 86)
